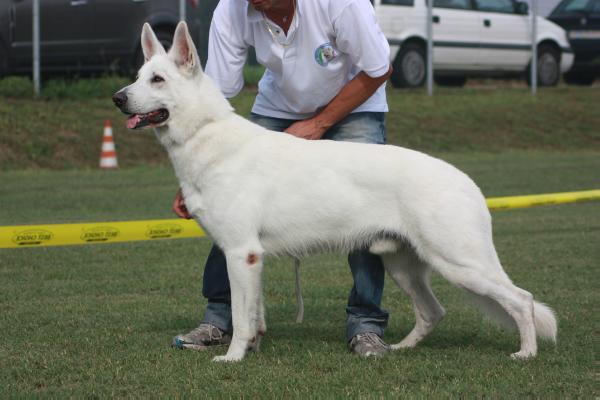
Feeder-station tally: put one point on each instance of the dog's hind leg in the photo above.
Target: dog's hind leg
(412, 275)
(492, 285)
(244, 267)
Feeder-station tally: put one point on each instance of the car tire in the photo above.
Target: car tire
(164, 36)
(410, 67)
(579, 78)
(548, 66)
(450, 81)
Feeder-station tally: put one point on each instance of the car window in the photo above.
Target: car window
(398, 2)
(460, 4)
(502, 6)
(574, 6)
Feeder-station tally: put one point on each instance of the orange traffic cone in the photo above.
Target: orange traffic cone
(108, 156)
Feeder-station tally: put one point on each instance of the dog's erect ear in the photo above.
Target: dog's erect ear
(183, 51)
(150, 44)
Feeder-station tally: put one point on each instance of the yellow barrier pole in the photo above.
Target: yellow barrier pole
(505, 203)
(97, 232)
(128, 231)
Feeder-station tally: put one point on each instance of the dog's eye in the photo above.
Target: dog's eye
(157, 79)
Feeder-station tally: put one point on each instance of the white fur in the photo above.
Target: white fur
(258, 192)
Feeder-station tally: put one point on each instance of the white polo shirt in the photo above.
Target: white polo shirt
(328, 43)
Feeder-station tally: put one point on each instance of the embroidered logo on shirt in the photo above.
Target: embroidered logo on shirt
(324, 54)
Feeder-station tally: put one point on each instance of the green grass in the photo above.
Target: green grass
(95, 321)
(63, 129)
(54, 89)
(252, 74)
(86, 88)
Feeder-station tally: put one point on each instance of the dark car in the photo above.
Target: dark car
(581, 19)
(90, 36)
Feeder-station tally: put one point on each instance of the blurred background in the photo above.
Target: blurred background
(471, 37)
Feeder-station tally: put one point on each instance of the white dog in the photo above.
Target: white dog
(258, 192)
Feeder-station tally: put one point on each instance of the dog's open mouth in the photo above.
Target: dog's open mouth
(152, 118)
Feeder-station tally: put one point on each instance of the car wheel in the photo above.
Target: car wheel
(548, 72)
(410, 67)
(579, 78)
(164, 36)
(450, 81)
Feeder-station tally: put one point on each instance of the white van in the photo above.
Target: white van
(471, 38)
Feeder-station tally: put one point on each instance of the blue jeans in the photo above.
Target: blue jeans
(363, 311)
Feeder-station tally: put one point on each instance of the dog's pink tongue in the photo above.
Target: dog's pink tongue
(133, 121)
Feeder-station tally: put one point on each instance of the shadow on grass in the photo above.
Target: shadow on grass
(313, 335)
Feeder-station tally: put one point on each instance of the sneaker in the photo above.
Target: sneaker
(201, 338)
(368, 344)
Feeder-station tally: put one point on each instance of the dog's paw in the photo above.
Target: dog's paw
(409, 342)
(227, 358)
(402, 346)
(522, 355)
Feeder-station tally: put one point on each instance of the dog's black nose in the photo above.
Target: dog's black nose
(120, 99)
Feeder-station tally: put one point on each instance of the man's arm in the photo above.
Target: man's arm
(227, 51)
(359, 37)
(356, 92)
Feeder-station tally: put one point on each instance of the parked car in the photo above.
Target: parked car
(471, 38)
(581, 19)
(81, 36)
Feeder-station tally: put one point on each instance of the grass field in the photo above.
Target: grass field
(64, 129)
(95, 321)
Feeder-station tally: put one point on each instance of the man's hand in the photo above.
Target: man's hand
(356, 92)
(308, 129)
(179, 206)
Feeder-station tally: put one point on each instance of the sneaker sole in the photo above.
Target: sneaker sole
(181, 345)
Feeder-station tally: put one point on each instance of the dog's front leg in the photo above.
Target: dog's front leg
(245, 277)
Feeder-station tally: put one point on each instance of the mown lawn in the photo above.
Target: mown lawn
(65, 130)
(96, 321)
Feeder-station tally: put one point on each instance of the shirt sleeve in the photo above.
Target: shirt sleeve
(359, 36)
(227, 51)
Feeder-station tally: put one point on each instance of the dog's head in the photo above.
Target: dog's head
(152, 99)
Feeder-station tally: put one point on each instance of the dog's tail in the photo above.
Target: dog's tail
(546, 326)
(545, 323)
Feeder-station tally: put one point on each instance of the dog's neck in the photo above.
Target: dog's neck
(203, 140)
